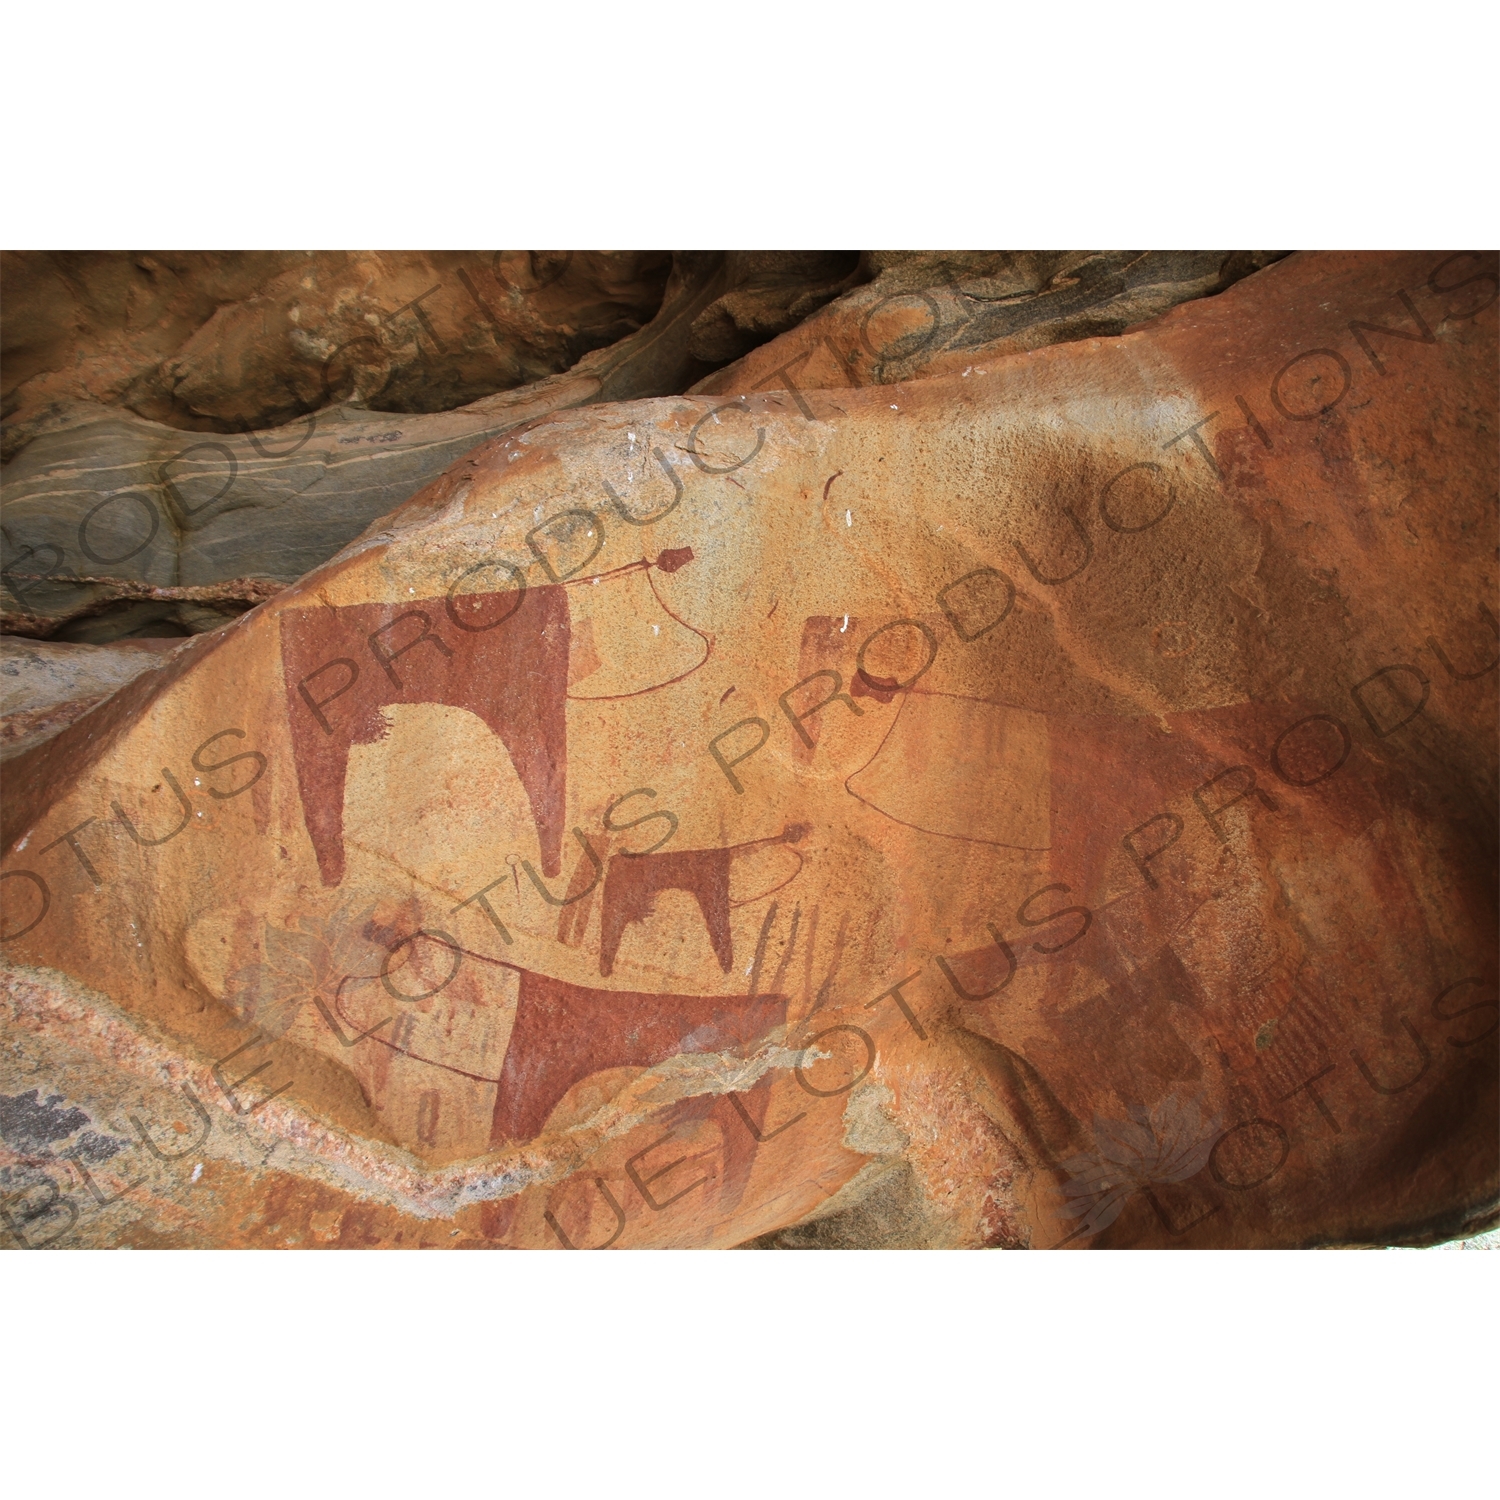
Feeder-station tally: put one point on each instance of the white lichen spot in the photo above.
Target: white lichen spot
(868, 1127)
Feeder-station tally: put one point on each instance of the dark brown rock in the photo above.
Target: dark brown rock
(225, 342)
(773, 290)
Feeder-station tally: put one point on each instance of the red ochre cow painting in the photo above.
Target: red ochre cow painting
(635, 880)
(502, 656)
(565, 1032)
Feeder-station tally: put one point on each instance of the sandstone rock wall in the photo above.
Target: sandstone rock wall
(98, 492)
(1046, 805)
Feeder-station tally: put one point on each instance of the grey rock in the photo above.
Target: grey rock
(104, 494)
(933, 312)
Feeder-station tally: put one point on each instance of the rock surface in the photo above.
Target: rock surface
(225, 342)
(943, 312)
(1048, 806)
(45, 685)
(771, 291)
(100, 492)
(157, 509)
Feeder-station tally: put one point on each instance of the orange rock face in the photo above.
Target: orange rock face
(1053, 805)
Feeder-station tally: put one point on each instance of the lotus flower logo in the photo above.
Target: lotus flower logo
(1169, 1144)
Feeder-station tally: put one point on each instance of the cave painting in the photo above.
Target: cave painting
(552, 1034)
(565, 1032)
(635, 880)
(625, 640)
(1150, 879)
(996, 762)
(514, 658)
(506, 656)
(343, 664)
